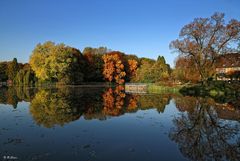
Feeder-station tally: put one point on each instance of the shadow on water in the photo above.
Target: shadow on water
(202, 128)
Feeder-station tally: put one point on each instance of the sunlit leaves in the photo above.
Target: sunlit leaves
(56, 63)
(152, 71)
(113, 67)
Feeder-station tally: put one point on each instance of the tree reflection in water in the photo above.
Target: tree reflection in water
(203, 130)
(49, 109)
(58, 106)
(113, 101)
(201, 134)
(13, 95)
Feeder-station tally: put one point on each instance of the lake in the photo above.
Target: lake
(105, 124)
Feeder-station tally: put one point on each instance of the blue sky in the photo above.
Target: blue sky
(141, 27)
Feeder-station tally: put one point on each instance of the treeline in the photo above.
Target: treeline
(61, 64)
(13, 72)
(199, 46)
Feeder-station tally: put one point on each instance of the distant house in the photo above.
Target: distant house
(228, 66)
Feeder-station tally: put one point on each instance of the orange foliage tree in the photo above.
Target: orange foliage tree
(133, 65)
(113, 69)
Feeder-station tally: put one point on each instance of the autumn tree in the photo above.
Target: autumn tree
(113, 69)
(57, 63)
(3, 72)
(204, 39)
(25, 76)
(143, 73)
(160, 70)
(131, 64)
(185, 70)
(94, 68)
(151, 71)
(12, 69)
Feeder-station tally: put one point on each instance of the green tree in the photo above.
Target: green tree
(143, 72)
(152, 71)
(12, 69)
(57, 63)
(160, 70)
(25, 76)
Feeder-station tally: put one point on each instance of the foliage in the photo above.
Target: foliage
(25, 77)
(3, 72)
(131, 64)
(152, 71)
(215, 89)
(143, 73)
(185, 70)
(113, 69)
(57, 63)
(94, 68)
(12, 69)
(204, 39)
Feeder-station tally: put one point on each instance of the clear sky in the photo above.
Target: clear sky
(141, 27)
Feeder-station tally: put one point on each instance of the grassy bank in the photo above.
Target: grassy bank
(158, 88)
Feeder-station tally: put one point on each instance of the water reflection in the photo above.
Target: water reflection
(56, 106)
(14, 95)
(203, 128)
(202, 134)
(51, 107)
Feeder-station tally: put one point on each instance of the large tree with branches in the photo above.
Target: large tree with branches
(204, 39)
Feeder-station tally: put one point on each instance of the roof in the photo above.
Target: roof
(228, 60)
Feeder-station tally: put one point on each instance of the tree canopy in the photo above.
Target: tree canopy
(151, 71)
(57, 62)
(204, 39)
(12, 69)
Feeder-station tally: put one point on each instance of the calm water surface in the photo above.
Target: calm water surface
(89, 124)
